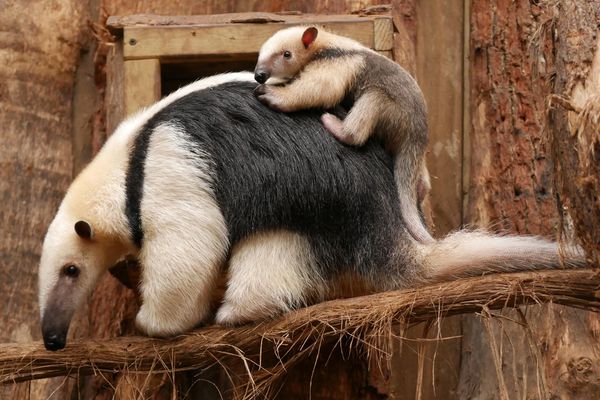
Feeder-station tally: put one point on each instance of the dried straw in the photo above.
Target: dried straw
(265, 350)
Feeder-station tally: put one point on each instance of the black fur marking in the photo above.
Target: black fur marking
(275, 170)
(333, 53)
(134, 184)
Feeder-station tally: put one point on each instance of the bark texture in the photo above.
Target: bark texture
(516, 50)
(38, 58)
(574, 120)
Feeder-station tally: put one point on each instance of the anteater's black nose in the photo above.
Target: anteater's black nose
(261, 76)
(54, 342)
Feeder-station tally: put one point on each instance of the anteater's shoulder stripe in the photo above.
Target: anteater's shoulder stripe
(134, 184)
(142, 125)
(334, 52)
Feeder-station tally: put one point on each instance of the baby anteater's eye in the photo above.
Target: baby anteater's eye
(287, 54)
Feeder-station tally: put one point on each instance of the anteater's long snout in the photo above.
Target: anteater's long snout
(54, 332)
(261, 75)
(57, 314)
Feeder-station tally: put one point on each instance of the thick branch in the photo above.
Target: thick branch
(294, 335)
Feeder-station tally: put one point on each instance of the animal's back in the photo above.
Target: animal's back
(284, 171)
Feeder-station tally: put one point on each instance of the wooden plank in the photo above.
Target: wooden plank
(142, 83)
(147, 42)
(440, 75)
(466, 159)
(439, 58)
(383, 31)
(117, 23)
(386, 53)
(114, 100)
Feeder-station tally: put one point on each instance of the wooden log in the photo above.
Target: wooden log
(574, 123)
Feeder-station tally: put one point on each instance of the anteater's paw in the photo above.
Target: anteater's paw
(229, 315)
(260, 90)
(148, 323)
(269, 98)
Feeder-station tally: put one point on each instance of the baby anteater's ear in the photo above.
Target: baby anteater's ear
(309, 36)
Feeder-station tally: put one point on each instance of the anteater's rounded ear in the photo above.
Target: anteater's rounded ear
(309, 36)
(84, 230)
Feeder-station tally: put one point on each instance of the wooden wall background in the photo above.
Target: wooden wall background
(486, 68)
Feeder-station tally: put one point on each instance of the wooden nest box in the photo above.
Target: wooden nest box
(155, 55)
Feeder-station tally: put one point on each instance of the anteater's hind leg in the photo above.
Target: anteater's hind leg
(269, 273)
(360, 122)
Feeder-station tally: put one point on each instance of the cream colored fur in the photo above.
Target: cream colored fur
(97, 196)
(185, 236)
(316, 89)
(473, 253)
(282, 70)
(269, 273)
(62, 247)
(362, 117)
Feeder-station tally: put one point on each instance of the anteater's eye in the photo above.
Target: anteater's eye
(287, 54)
(71, 271)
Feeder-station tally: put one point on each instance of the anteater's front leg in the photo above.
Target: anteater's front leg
(177, 284)
(312, 89)
(185, 240)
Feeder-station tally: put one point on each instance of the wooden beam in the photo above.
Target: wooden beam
(466, 124)
(116, 24)
(440, 75)
(181, 41)
(141, 83)
(114, 100)
(386, 53)
(383, 32)
(439, 59)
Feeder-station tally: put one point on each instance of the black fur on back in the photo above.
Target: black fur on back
(275, 170)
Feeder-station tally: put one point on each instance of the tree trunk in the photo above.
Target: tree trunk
(574, 125)
(39, 49)
(516, 51)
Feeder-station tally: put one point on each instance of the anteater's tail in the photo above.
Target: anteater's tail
(473, 253)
